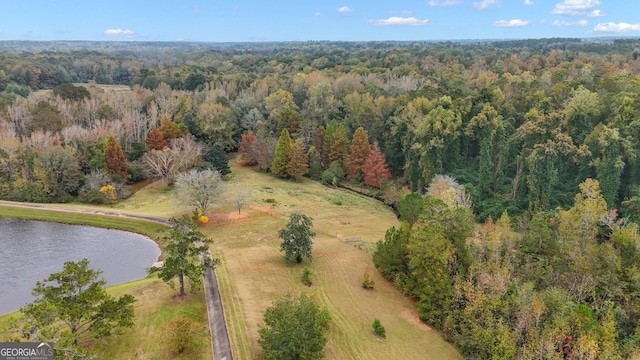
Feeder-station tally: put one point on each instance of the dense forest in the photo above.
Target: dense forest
(503, 133)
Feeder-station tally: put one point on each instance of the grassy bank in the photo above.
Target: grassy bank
(155, 304)
(146, 228)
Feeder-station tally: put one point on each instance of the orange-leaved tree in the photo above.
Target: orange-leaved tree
(114, 157)
(298, 164)
(359, 152)
(247, 149)
(375, 168)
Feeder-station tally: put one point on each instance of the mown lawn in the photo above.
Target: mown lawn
(253, 273)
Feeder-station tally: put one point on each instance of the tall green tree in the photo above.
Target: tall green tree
(183, 245)
(59, 172)
(72, 302)
(297, 238)
(295, 328)
(488, 128)
(609, 150)
(283, 148)
(217, 157)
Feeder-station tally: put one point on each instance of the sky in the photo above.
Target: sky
(302, 20)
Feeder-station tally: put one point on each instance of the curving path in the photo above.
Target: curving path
(218, 327)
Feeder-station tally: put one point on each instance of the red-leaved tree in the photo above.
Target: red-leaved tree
(247, 148)
(358, 153)
(375, 168)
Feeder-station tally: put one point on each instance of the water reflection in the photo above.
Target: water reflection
(31, 250)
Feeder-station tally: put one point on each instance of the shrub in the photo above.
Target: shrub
(306, 277)
(182, 334)
(378, 329)
(367, 281)
(327, 177)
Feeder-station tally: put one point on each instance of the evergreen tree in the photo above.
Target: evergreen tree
(283, 148)
(297, 165)
(217, 157)
(115, 159)
(358, 153)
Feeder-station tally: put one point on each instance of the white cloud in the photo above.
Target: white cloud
(345, 9)
(511, 23)
(574, 7)
(485, 4)
(444, 3)
(566, 23)
(317, 14)
(400, 21)
(119, 32)
(597, 13)
(528, 2)
(612, 27)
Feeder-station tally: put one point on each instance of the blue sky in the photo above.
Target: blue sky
(301, 20)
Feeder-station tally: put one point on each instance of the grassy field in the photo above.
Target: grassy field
(253, 273)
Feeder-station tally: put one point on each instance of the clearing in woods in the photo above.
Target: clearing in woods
(253, 273)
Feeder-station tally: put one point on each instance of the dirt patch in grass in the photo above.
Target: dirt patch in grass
(411, 315)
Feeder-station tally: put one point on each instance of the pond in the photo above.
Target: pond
(31, 250)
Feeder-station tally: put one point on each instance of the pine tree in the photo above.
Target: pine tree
(375, 168)
(336, 145)
(358, 153)
(217, 157)
(114, 157)
(247, 149)
(283, 148)
(298, 163)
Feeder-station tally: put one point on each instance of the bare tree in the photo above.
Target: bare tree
(181, 155)
(160, 164)
(200, 188)
(242, 198)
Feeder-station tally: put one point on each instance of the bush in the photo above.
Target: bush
(306, 277)
(327, 177)
(367, 281)
(182, 334)
(378, 329)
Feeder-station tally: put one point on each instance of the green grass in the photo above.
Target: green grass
(253, 273)
(142, 227)
(156, 302)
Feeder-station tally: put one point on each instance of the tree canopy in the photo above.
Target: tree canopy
(184, 245)
(295, 328)
(72, 302)
(297, 238)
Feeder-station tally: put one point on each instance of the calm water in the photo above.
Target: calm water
(31, 250)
